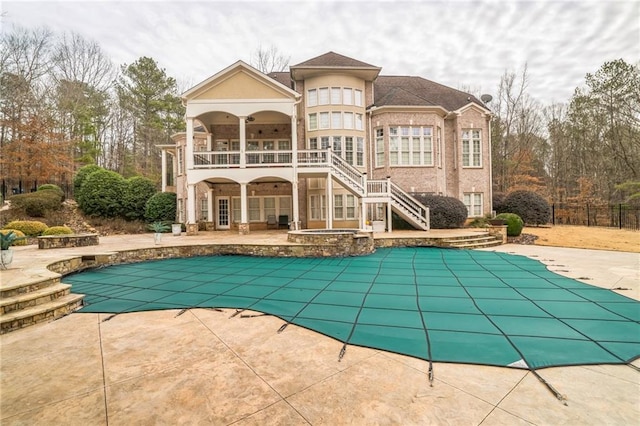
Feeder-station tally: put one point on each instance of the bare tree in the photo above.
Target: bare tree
(269, 59)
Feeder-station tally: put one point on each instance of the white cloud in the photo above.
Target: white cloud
(457, 43)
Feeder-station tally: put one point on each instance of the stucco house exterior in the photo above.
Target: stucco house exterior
(329, 144)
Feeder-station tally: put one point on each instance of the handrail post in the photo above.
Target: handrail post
(365, 184)
(389, 186)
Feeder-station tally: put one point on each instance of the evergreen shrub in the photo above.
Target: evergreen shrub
(81, 176)
(30, 228)
(52, 187)
(137, 192)
(36, 204)
(514, 223)
(444, 212)
(161, 207)
(58, 230)
(101, 194)
(531, 207)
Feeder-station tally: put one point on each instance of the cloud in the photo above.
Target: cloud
(459, 43)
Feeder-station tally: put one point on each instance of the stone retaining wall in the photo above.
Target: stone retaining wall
(66, 241)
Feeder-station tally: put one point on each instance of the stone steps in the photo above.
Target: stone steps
(471, 242)
(29, 303)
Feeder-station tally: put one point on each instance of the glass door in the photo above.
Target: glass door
(223, 213)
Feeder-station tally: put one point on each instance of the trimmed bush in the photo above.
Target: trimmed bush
(444, 212)
(531, 207)
(496, 203)
(58, 230)
(514, 223)
(137, 192)
(161, 207)
(30, 228)
(101, 194)
(52, 187)
(36, 204)
(81, 176)
(19, 234)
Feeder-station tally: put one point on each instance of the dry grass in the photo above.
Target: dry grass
(587, 237)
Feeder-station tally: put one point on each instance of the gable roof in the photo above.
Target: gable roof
(334, 61)
(418, 91)
(234, 69)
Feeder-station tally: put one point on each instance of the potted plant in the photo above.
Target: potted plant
(158, 228)
(6, 241)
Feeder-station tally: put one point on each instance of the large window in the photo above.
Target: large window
(348, 96)
(260, 208)
(323, 96)
(471, 148)
(336, 97)
(349, 148)
(379, 147)
(324, 120)
(344, 207)
(336, 120)
(317, 207)
(358, 97)
(410, 146)
(313, 121)
(473, 201)
(312, 97)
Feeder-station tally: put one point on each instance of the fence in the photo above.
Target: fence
(613, 216)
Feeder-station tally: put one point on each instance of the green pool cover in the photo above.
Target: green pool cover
(439, 305)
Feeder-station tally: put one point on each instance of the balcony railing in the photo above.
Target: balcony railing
(226, 159)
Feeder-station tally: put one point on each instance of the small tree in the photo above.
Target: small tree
(531, 207)
(137, 192)
(161, 207)
(101, 194)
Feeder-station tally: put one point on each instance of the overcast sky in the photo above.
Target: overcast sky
(460, 44)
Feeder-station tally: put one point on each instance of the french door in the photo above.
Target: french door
(223, 213)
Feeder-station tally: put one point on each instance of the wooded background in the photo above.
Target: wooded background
(63, 104)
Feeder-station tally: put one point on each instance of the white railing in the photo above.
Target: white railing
(416, 209)
(313, 158)
(215, 159)
(377, 188)
(269, 158)
(349, 174)
(345, 172)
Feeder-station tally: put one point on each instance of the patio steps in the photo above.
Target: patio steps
(30, 303)
(481, 240)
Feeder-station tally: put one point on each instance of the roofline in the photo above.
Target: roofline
(192, 92)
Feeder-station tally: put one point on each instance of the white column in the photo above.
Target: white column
(189, 145)
(389, 212)
(191, 204)
(329, 192)
(295, 205)
(243, 144)
(163, 153)
(210, 205)
(244, 204)
(363, 214)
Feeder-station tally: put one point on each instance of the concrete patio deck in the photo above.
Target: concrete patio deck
(201, 367)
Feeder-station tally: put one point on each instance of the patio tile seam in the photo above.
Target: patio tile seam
(505, 396)
(248, 365)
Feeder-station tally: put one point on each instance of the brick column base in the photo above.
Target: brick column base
(498, 230)
(192, 229)
(243, 228)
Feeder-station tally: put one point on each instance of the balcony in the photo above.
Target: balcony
(256, 159)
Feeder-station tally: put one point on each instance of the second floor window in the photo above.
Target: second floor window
(471, 148)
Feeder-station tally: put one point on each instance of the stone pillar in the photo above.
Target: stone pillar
(498, 231)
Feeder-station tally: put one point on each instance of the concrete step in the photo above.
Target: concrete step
(40, 313)
(19, 288)
(470, 242)
(33, 298)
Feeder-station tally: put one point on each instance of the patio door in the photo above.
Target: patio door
(224, 211)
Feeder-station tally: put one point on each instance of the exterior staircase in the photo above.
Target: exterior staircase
(373, 191)
(29, 303)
